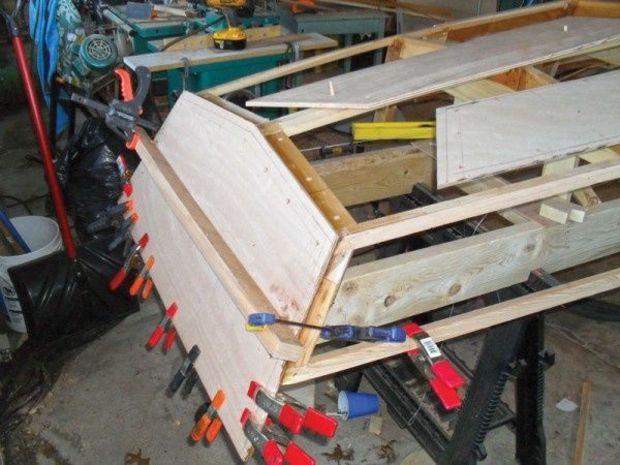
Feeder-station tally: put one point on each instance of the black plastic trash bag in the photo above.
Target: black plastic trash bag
(89, 174)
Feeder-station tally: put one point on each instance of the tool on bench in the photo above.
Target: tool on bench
(233, 37)
(122, 116)
(443, 378)
(121, 274)
(140, 279)
(164, 326)
(292, 414)
(186, 369)
(347, 333)
(209, 424)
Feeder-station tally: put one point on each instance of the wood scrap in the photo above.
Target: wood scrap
(584, 414)
(560, 211)
(375, 425)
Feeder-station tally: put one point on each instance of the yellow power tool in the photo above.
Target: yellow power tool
(233, 37)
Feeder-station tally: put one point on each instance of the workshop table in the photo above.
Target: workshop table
(196, 70)
(346, 23)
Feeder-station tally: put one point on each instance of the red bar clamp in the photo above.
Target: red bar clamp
(121, 274)
(443, 378)
(164, 326)
(279, 411)
(292, 414)
(267, 448)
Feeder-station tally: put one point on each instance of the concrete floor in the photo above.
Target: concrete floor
(110, 400)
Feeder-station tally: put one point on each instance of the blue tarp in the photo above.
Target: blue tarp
(44, 33)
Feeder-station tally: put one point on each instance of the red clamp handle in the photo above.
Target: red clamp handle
(155, 336)
(444, 370)
(127, 189)
(295, 455)
(118, 279)
(291, 419)
(170, 338)
(319, 423)
(271, 453)
(126, 86)
(448, 397)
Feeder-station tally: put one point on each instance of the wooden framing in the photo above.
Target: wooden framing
(254, 155)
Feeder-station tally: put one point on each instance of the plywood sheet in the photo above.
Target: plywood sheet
(515, 130)
(405, 79)
(161, 61)
(252, 199)
(230, 356)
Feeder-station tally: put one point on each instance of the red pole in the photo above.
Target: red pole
(44, 146)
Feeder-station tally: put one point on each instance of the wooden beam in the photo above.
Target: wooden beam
(280, 342)
(451, 211)
(600, 9)
(376, 175)
(397, 287)
(449, 328)
(329, 204)
(584, 417)
(298, 66)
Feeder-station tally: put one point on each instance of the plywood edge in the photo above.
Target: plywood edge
(449, 328)
(279, 341)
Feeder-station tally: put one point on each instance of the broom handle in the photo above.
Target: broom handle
(44, 143)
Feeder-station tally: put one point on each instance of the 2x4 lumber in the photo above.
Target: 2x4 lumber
(403, 80)
(560, 211)
(397, 287)
(321, 304)
(298, 66)
(584, 418)
(333, 210)
(594, 8)
(280, 342)
(376, 175)
(432, 216)
(460, 325)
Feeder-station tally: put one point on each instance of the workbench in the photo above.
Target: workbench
(196, 70)
(346, 23)
(143, 31)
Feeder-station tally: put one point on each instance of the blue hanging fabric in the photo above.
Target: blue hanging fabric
(44, 33)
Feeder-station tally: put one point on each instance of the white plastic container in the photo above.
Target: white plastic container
(43, 237)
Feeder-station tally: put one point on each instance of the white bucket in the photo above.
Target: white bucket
(43, 237)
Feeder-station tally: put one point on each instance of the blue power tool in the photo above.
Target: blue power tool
(348, 333)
